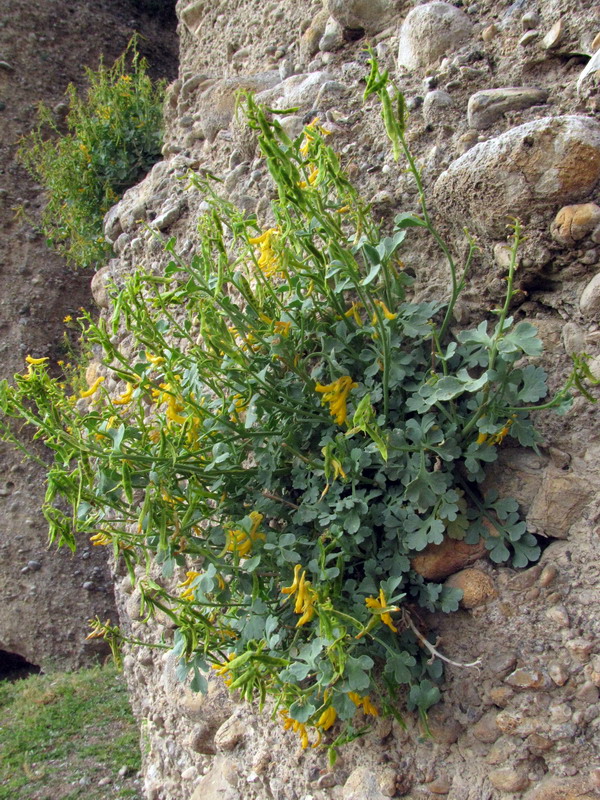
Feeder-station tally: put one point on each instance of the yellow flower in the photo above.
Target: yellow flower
(188, 594)
(305, 596)
(386, 312)
(297, 727)
(268, 260)
(240, 542)
(31, 360)
(93, 388)
(336, 394)
(156, 360)
(353, 312)
(68, 318)
(482, 438)
(379, 603)
(327, 718)
(126, 397)
(498, 438)
(282, 327)
(100, 538)
(364, 703)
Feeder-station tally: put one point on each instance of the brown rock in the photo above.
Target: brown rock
(573, 223)
(486, 729)
(559, 502)
(309, 43)
(438, 561)
(439, 785)
(580, 648)
(230, 734)
(527, 678)
(513, 723)
(490, 33)
(502, 750)
(477, 587)
(562, 789)
(558, 673)
(549, 574)
(508, 780)
(444, 728)
(500, 695)
(538, 744)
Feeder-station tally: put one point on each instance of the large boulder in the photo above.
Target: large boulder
(430, 32)
(535, 167)
(370, 15)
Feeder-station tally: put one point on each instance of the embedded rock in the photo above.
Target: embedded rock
(297, 90)
(369, 15)
(99, 287)
(531, 168)
(309, 43)
(487, 106)
(589, 302)
(508, 780)
(573, 223)
(476, 586)
(430, 32)
(192, 15)
(559, 502)
(216, 105)
(562, 789)
(436, 105)
(438, 561)
(362, 784)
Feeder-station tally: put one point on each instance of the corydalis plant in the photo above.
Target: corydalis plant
(289, 433)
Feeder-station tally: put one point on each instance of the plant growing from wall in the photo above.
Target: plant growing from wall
(290, 431)
(114, 135)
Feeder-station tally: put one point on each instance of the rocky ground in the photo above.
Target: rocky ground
(46, 598)
(503, 123)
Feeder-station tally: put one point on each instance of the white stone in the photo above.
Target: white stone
(589, 302)
(430, 32)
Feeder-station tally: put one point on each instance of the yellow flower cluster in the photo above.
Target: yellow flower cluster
(377, 603)
(240, 542)
(364, 703)
(297, 727)
(305, 596)
(336, 394)
(174, 404)
(188, 593)
(496, 438)
(268, 260)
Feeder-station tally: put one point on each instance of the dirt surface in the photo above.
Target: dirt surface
(43, 47)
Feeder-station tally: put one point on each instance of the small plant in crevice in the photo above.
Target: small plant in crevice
(114, 136)
(289, 432)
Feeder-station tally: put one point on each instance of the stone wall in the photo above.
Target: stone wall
(504, 123)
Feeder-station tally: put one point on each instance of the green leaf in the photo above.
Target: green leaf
(302, 710)
(534, 386)
(358, 680)
(523, 337)
(398, 665)
(423, 696)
